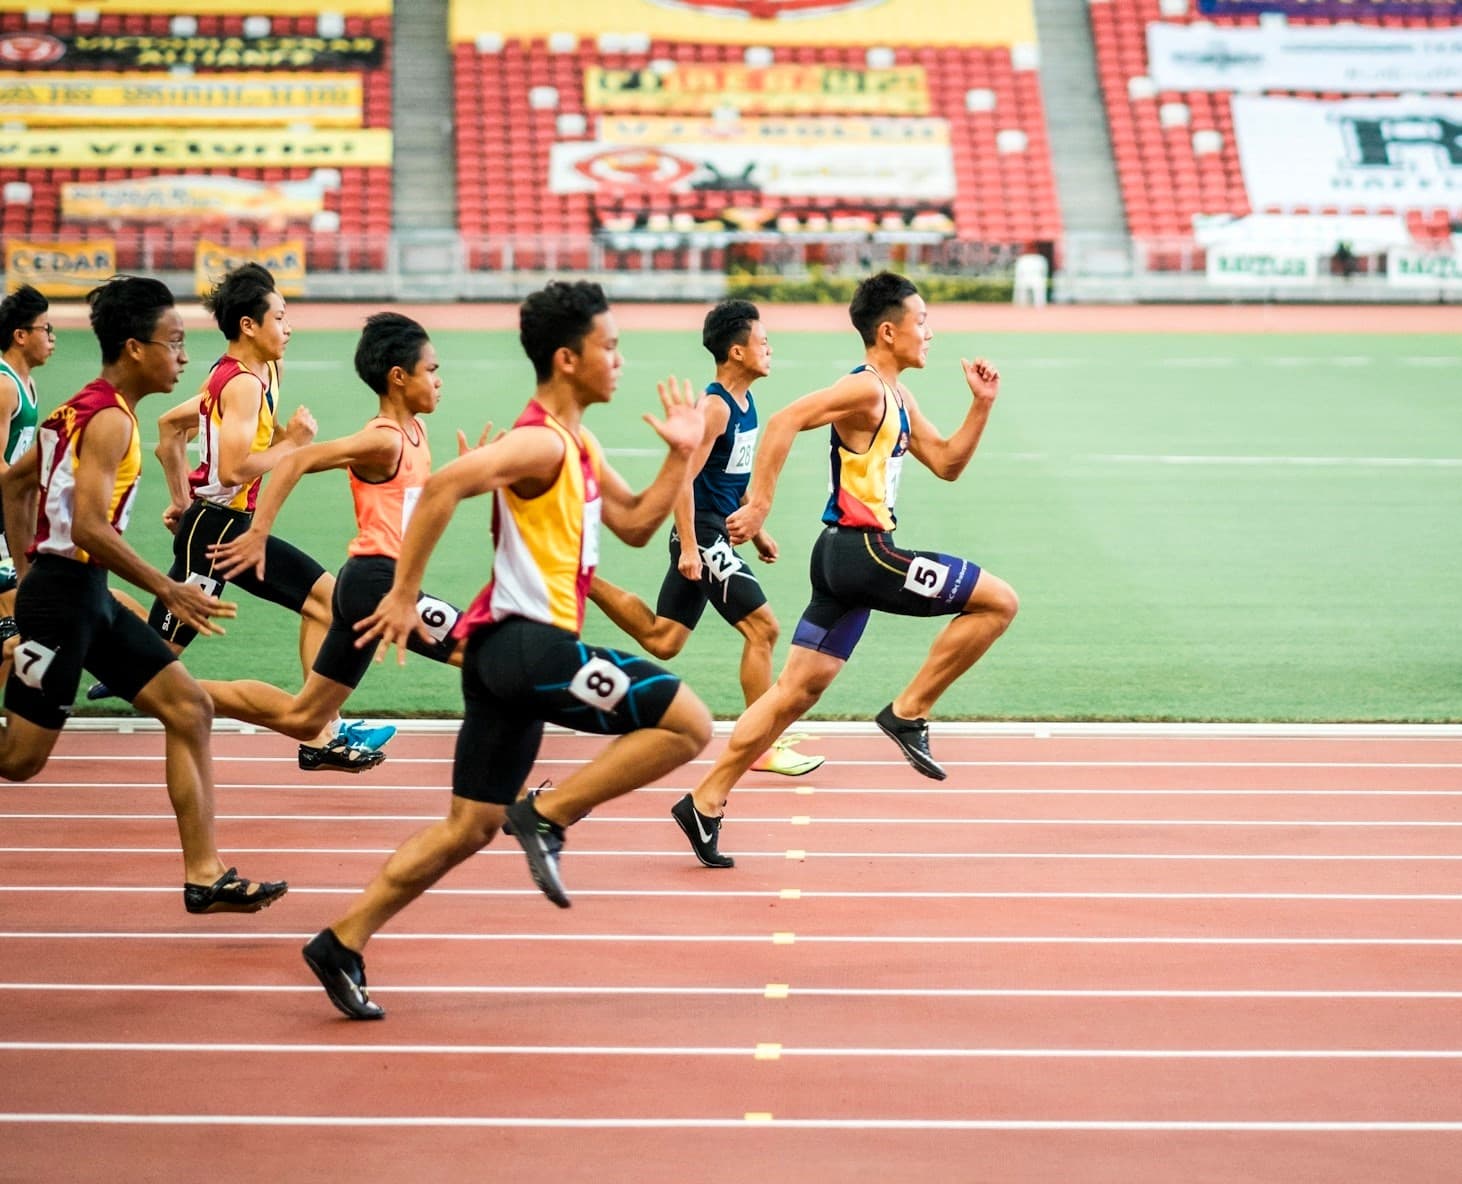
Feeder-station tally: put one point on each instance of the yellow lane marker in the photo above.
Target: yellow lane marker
(783, 939)
(801, 819)
(778, 990)
(758, 1116)
(790, 894)
(799, 856)
(769, 1052)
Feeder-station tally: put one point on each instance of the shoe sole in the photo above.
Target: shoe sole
(916, 760)
(540, 868)
(326, 767)
(790, 772)
(695, 850)
(224, 906)
(321, 973)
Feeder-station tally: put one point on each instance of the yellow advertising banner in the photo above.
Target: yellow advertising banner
(286, 261)
(172, 147)
(59, 269)
(813, 133)
(41, 99)
(196, 197)
(203, 7)
(759, 22)
(759, 90)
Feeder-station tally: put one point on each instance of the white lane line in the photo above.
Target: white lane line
(747, 1123)
(812, 788)
(223, 758)
(1307, 996)
(671, 1050)
(749, 939)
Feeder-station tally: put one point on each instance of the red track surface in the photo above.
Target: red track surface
(1104, 959)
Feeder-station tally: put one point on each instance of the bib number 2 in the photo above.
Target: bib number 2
(600, 684)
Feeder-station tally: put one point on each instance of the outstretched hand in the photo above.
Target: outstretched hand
(983, 378)
(482, 441)
(684, 421)
(395, 620)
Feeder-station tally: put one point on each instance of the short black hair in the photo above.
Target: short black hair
(243, 292)
(557, 316)
(726, 325)
(388, 340)
(879, 298)
(126, 308)
(18, 310)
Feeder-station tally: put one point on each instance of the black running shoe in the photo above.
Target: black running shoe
(704, 833)
(341, 972)
(528, 797)
(339, 755)
(98, 690)
(8, 628)
(542, 841)
(912, 737)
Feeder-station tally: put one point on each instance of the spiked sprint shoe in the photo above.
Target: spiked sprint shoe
(542, 843)
(783, 757)
(704, 833)
(341, 972)
(912, 737)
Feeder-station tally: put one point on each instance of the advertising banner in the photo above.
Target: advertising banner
(759, 22)
(169, 148)
(59, 269)
(1366, 154)
(888, 159)
(40, 51)
(286, 261)
(204, 7)
(187, 198)
(766, 90)
(1352, 59)
(1261, 267)
(1418, 269)
(56, 99)
(1332, 10)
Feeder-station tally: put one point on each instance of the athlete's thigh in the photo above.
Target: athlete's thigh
(499, 739)
(682, 601)
(59, 607)
(872, 571)
(289, 576)
(126, 653)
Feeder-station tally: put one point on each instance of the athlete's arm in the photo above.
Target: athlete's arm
(238, 405)
(947, 459)
(175, 427)
(19, 486)
(716, 414)
(373, 451)
(10, 397)
(107, 437)
(855, 399)
(528, 459)
(634, 517)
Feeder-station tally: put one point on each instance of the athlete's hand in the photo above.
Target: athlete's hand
(983, 378)
(396, 618)
(194, 607)
(301, 428)
(684, 422)
(172, 516)
(463, 448)
(745, 523)
(689, 564)
(241, 554)
(766, 547)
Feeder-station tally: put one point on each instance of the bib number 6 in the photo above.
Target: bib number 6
(438, 616)
(600, 684)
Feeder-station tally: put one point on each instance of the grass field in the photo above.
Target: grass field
(1216, 527)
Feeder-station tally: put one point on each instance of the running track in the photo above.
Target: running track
(1116, 957)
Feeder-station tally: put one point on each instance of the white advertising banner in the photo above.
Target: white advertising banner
(1261, 267)
(1419, 269)
(1352, 59)
(1367, 154)
(809, 157)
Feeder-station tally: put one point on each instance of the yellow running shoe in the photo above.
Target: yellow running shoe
(783, 757)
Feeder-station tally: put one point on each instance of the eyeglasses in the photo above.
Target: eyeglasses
(176, 347)
(48, 330)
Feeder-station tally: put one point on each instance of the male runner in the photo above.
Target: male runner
(388, 462)
(711, 570)
(27, 340)
(66, 504)
(525, 662)
(856, 567)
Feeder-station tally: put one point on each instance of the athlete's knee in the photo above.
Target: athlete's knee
(995, 598)
(186, 709)
(760, 629)
(471, 826)
(21, 765)
(666, 639)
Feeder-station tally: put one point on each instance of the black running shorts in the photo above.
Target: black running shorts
(727, 581)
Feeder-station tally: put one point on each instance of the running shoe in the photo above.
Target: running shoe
(8, 629)
(230, 894)
(98, 690)
(912, 737)
(341, 972)
(783, 757)
(339, 756)
(542, 843)
(8, 578)
(358, 734)
(704, 833)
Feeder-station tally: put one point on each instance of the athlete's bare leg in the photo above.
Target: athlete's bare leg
(660, 636)
(960, 644)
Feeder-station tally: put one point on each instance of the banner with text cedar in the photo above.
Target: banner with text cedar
(58, 268)
(285, 261)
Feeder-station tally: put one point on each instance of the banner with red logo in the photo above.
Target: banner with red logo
(758, 22)
(788, 89)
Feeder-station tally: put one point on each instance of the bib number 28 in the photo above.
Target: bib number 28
(600, 684)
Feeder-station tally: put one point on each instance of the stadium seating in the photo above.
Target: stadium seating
(362, 202)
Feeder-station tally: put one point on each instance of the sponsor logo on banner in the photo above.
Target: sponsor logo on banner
(285, 261)
(759, 90)
(1351, 154)
(186, 198)
(889, 159)
(210, 99)
(165, 148)
(756, 22)
(1353, 59)
(1417, 269)
(59, 269)
(1334, 9)
(1261, 267)
(133, 52)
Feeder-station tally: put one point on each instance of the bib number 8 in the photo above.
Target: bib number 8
(600, 684)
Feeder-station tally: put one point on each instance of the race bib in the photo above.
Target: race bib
(926, 578)
(721, 561)
(409, 498)
(22, 443)
(438, 616)
(590, 552)
(892, 474)
(31, 661)
(600, 684)
(743, 448)
(207, 583)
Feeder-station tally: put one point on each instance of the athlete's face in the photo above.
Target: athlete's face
(424, 383)
(595, 368)
(756, 353)
(271, 333)
(163, 355)
(37, 340)
(911, 334)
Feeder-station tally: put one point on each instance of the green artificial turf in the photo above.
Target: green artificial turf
(1199, 526)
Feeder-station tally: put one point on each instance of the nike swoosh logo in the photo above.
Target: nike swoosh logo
(705, 838)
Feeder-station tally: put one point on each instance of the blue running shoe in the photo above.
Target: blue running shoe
(358, 734)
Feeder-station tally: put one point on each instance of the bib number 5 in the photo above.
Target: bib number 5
(599, 683)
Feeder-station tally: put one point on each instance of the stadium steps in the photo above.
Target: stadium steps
(425, 159)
